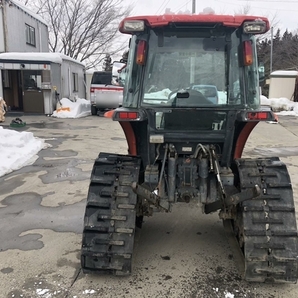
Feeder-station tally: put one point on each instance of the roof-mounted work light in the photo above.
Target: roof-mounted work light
(133, 25)
(255, 27)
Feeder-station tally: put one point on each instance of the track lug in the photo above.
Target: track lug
(110, 216)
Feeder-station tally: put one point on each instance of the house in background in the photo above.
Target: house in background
(31, 76)
(31, 81)
(21, 30)
(283, 83)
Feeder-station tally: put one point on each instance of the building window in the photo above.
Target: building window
(30, 35)
(6, 78)
(32, 79)
(75, 79)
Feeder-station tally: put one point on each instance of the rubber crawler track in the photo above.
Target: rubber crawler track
(268, 228)
(109, 223)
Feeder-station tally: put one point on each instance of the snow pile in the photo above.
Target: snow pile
(163, 94)
(222, 97)
(281, 105)
(18, 149)
(69, 109)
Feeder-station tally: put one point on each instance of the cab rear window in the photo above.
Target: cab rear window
(102, 78)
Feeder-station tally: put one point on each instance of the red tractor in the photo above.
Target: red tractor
(191, 98)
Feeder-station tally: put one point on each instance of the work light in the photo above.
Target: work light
(133, 25)
(254, 27)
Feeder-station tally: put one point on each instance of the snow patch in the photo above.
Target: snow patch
(89, 292)
(69, 109)
(43, 292)
(229, 295)
(281, 104)
(18, 149)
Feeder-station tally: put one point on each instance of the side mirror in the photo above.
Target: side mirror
(118, 73)
(261, 74)
(182, 94)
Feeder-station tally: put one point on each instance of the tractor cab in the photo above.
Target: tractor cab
(191, 78)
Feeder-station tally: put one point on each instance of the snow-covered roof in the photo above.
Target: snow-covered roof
(37, 56)
(28, 11)
(284, 73)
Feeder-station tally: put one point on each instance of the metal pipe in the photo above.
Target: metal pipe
(271, 51)
(203, 174)
(172, 177)
(216, 168)
(162, 166)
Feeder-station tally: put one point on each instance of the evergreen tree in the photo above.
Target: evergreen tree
(107, 64)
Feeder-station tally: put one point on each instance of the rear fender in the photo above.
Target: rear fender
(128, 132)
(130, 137)
(242, 138)
(252, 118)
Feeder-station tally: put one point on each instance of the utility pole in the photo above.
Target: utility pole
(193, 7)
(271, 50)
(192, 59)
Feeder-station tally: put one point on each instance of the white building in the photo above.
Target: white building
(30, 77)
(21, 30)
(29, 82)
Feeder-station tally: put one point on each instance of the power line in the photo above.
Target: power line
(267, 1)
(265, 8)
(182, 6)
(162, 6)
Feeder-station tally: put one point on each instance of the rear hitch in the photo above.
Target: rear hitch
(235, 199)
(245, 195)
(151, 197)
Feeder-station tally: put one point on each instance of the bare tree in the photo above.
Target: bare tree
(83, 30)
(244, 10)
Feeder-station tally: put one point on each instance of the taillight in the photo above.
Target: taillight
(128, 115)
(247, 53)
(92, 90)
(141, 52)
(258, 116)
(109, 114)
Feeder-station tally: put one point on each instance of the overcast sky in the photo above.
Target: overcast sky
(286, 11)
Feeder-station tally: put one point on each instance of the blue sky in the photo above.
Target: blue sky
(283, 12)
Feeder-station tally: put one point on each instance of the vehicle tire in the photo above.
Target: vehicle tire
(93, 110)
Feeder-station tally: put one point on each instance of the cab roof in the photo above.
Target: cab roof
(166, 19)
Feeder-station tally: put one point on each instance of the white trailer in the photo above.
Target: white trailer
(31, 82)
